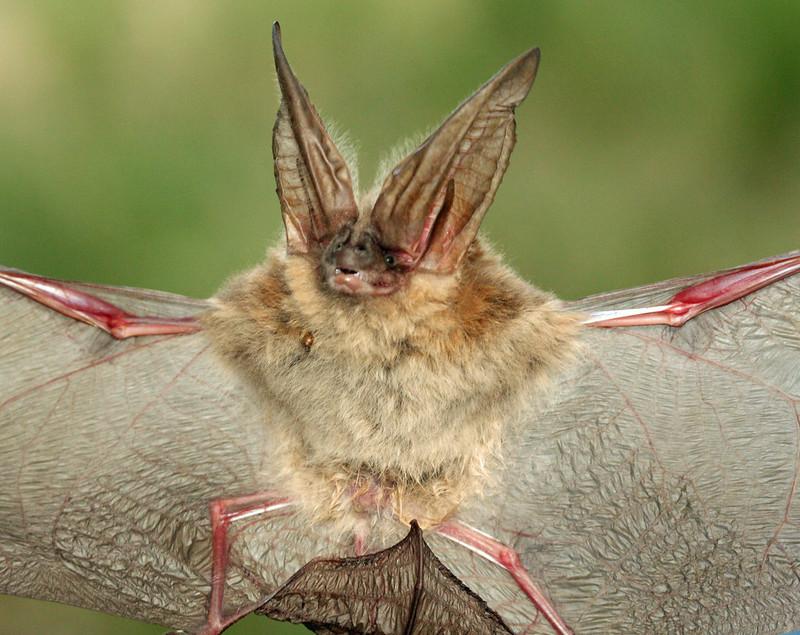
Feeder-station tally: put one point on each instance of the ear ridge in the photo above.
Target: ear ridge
(313, 180)
(471, 149)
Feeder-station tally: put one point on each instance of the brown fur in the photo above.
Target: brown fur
(395, 397)
(401, 401)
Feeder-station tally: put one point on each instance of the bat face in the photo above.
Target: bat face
(389, 346)
(355, 263)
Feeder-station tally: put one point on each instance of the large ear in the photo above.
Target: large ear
(314, 185)
(432, 203)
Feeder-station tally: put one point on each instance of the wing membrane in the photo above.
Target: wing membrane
(653, 490)
(111, 452)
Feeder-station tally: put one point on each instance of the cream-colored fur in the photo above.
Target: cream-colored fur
(400, 402)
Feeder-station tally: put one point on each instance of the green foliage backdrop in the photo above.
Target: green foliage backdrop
(660, 139)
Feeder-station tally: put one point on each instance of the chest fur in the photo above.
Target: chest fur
(416, 393)
(408, 411)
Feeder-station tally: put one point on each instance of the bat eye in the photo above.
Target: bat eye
(390, 261)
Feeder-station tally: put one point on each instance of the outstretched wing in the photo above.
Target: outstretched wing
(655, 491)
(111, 452)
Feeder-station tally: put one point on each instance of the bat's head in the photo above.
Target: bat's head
(355, 262)
(427, 212)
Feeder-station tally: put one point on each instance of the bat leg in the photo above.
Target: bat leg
(503, 555)
(93, 310)
(223, 513)
(702, 296)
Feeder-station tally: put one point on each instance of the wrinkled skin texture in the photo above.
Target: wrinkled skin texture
(654, 491)
(401, 590)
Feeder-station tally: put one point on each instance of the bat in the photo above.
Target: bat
(627, 462)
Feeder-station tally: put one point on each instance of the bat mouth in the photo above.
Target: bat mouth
(364, 283)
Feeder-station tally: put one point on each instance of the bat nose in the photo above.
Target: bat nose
(356, 254)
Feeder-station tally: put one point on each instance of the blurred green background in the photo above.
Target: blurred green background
(660, 139)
